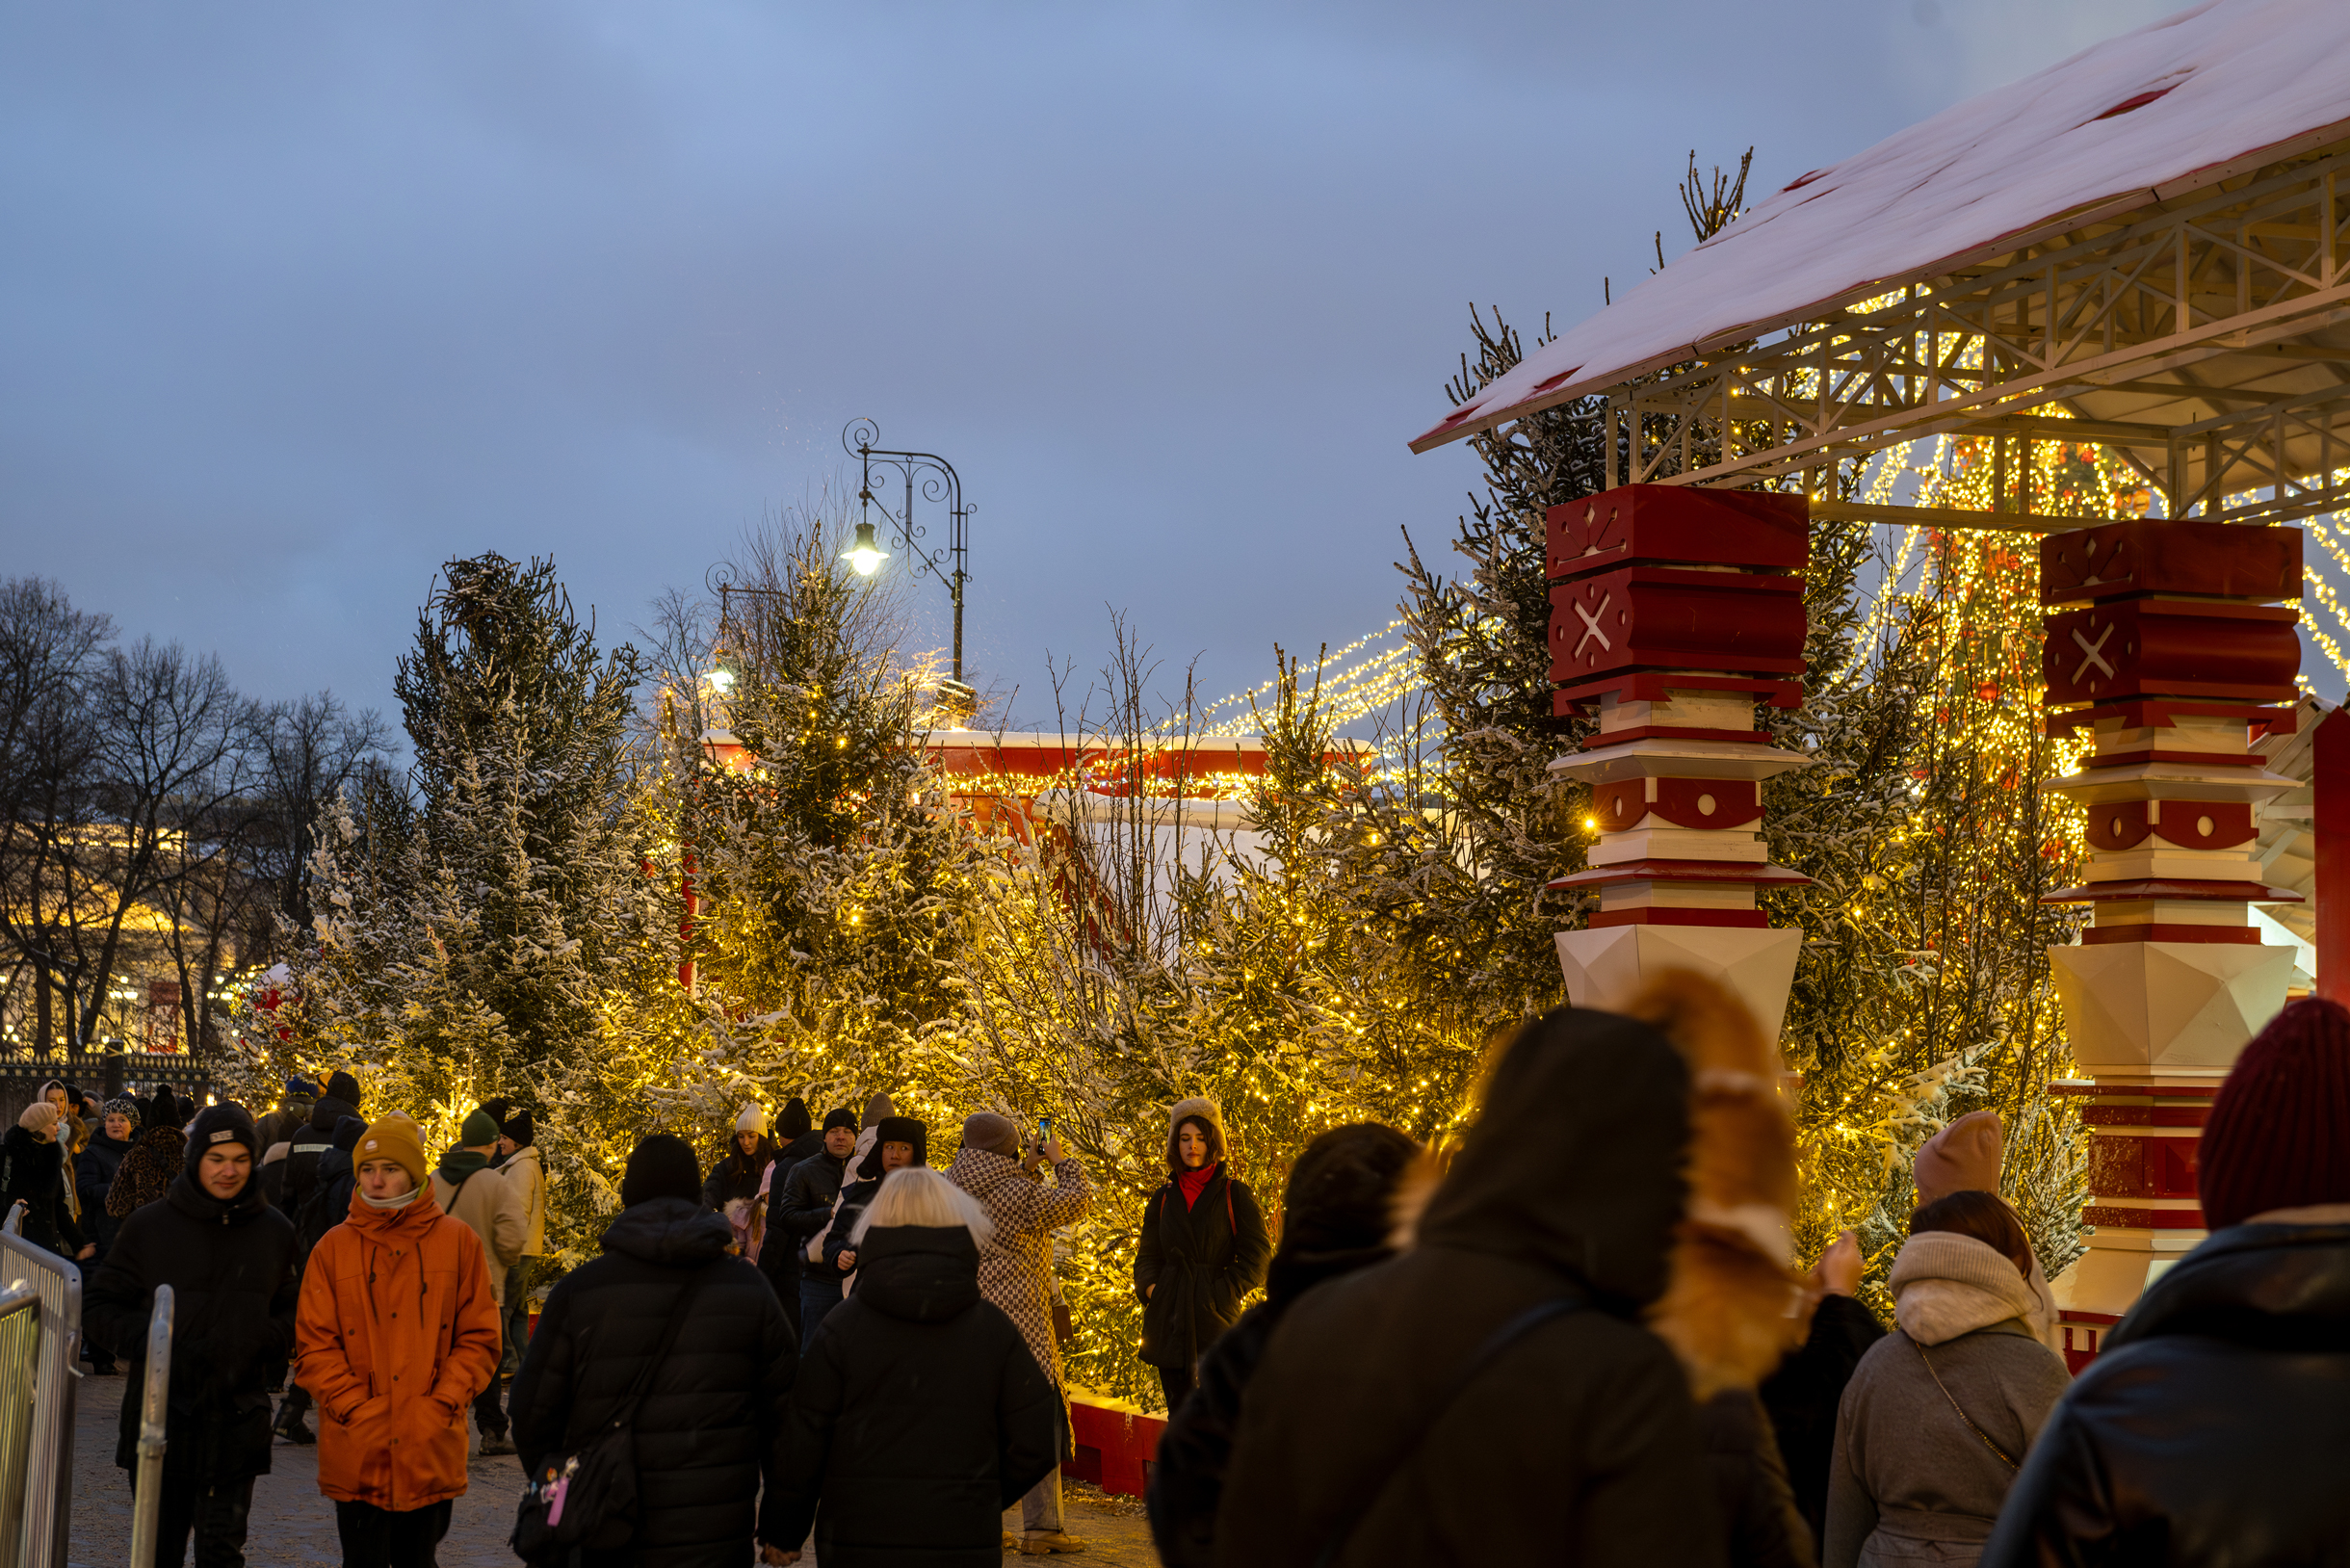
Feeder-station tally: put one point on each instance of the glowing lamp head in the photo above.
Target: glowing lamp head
(864, 551)
(721, 680)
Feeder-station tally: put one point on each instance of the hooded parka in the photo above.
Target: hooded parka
(1908, 1466)
(2213, 1430)
(920, 1414)
(711, 1428)
(230, 1265)
(1579, 1443)
(1195, 1265)
(398, 1332)
(37, 1175)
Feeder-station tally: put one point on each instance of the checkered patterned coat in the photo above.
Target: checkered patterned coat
(1016, 1266)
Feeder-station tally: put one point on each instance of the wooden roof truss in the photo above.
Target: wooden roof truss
(2204, 337)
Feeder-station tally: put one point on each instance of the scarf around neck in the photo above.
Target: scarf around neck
(1193, 1183)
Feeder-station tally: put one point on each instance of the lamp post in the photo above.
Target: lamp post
(940, 482)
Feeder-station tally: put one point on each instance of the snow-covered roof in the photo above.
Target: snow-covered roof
(2221, 87)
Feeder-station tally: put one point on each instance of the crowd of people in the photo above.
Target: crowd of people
(1574, 1335)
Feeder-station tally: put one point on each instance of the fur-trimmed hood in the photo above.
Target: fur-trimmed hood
(1728, 1289)
(1201, 1109)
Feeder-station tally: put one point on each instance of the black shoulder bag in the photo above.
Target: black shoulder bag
(585, 1500)
(1487, 1353)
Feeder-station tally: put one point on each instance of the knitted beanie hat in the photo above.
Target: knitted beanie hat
(122, 1105)
(879, 1106)
(394, 1138)
(841, 1118)
(2279, 1137)
(40, 1116)
(215, 1126)
(793, 1122)
(480, 1127)
(1964, 1157)
(343, 1086)
(663, 1166)
(985, 1130)
(301, 1088)
(752, 1118)
(521, 1128)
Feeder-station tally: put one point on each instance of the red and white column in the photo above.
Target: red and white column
(1673, 612)
(2168, 642)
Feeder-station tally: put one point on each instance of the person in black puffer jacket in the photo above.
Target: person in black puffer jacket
(710, 1431)
(920, 1415)
(229, 1258)
(1203, 1249)
(312, 1139)
(2211, 1429)
(94, 1171)
(1336, 1219)
(331, 1183)
(779, 1258)
(806, 1208)
(33, 1156)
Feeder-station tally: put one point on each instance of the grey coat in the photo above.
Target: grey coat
(1908, 1482)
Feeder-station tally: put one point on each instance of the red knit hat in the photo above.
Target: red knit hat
(2280, 1131)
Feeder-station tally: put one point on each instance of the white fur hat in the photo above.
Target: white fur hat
(752, 1119)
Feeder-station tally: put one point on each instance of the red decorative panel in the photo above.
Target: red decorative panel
(2205, 824)
(2155, 556)
(1676, 523)
(2163, 647)
(2097, 936)
(2122, 1166)
(2145, 1219)
(2118, 824)
(1657, 616)
(1708, 803)
(1617, 806)
(1655, 916)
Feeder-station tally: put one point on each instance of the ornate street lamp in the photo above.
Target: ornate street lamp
(940, 482)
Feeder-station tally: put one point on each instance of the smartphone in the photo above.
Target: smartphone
(1044, 1132)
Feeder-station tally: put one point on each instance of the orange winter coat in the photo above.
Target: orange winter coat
(396, 1333)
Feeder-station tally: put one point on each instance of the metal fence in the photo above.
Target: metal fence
(38, 1341)
(147, 1490)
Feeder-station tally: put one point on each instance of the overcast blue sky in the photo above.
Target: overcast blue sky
(298, 300)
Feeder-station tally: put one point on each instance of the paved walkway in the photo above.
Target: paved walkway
(293, 1525)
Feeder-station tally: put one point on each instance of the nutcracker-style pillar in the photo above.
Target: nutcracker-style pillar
(1673, 611)
(2168, 643)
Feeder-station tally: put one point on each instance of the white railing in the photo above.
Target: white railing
(38, 1341)
(146, 1488)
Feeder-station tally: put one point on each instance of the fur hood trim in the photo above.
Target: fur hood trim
(1729, 1311)
(1202, 1109)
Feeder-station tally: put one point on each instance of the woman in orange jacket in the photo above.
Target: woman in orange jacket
(396, 1334)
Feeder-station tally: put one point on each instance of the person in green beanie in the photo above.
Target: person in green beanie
(494, 1209)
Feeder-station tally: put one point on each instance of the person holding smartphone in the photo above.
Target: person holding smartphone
(1204, 1249)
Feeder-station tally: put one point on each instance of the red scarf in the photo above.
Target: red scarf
(1193, 1182)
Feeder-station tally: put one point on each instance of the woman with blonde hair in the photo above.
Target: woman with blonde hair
(920, 1414)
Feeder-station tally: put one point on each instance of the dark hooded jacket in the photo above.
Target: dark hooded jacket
(329, 1198)
(2213, 1428)
(230, 1267)
(35, 1176)
(807, 1207)
(710, 1428)
(1336, 1220)
(94, 1171)
(1368, 1431)
(311, 1140)
(920, 1414)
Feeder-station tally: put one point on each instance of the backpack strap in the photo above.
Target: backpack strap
(1484, 1357)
